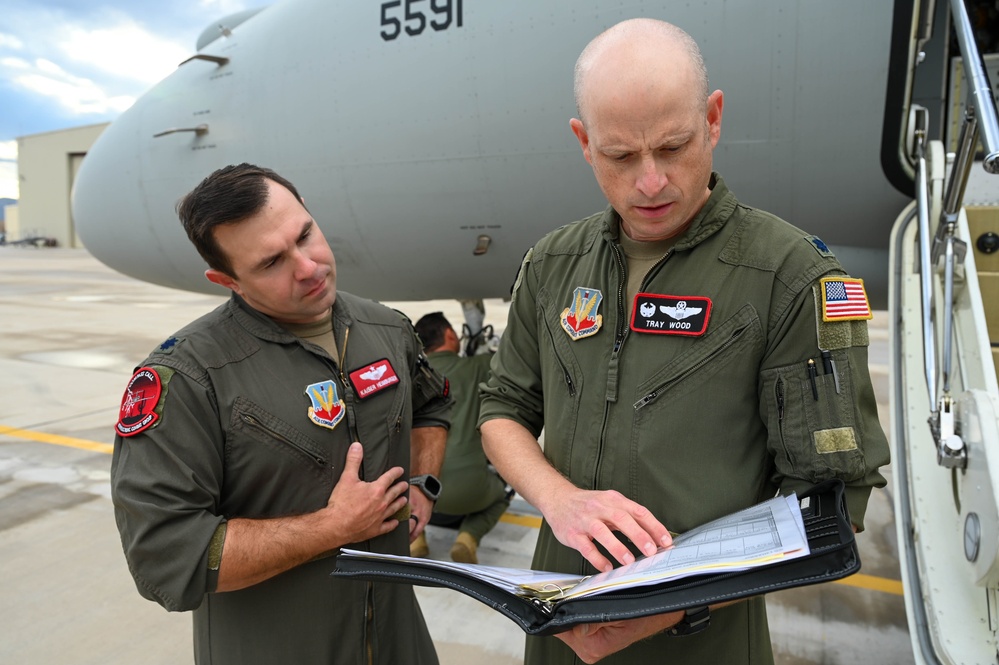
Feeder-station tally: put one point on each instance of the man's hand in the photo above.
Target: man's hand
(420, 507)
(593, 641)
(363, 510)
(579, 518)
(258, 549)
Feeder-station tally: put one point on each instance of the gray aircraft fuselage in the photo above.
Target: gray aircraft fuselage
(413, 127)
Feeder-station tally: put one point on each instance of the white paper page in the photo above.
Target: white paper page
(756, 536)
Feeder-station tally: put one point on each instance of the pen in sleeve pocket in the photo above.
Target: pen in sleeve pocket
(830, 367)
(811, 378)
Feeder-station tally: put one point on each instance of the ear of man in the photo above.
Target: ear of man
(218, 277)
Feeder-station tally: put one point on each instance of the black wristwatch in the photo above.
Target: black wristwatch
(694, 621)
(428, 484)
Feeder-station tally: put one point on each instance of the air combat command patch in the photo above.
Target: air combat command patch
(581, 319)
(327, 408)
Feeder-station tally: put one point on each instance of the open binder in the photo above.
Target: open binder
(832, 554)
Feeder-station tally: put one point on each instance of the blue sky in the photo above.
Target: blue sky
(66, 63)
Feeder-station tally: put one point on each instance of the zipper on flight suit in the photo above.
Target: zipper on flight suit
(779, 388)
(622, 332)
(565, 370)
(651, 396)
(348, 390)
(369, 622)
(256, 424)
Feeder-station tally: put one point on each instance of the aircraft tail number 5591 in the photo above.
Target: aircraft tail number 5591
(408, 15)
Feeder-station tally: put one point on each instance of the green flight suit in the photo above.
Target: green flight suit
(691, 423)
(470, 488)
(242, 428)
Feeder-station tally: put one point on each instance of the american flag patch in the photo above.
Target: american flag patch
(844, 299)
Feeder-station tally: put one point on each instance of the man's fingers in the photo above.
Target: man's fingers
(352, 465)
(656, 530)
(391, 476)
(615, 547)
(638, 524)
(647, 537)
(584, 545)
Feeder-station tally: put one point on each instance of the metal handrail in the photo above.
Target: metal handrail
(925, 270)
(980, 92)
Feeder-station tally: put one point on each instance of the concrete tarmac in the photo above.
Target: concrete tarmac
(71, 331)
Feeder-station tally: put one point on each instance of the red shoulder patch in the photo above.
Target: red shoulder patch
(138, 405)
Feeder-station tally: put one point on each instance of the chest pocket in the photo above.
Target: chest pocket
(733, 347)
(695, 422)
(272, 467)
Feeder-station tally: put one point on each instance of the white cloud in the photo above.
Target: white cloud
(75, 94)
(14, 63)
(8, 181)
(125, 49)
(224, 7)
(10, 41)
(8, 150)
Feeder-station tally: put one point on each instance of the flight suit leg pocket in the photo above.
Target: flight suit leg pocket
(816, 436)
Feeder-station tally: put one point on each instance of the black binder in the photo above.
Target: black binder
(833, 555)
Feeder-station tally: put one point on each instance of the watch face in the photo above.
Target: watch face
(432, 484)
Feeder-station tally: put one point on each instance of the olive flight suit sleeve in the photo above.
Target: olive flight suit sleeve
(165, 484)
(514, 388)
(824, 425)
(431, 398)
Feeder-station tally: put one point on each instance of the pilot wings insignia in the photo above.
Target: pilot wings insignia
(374, 373)
(680, 311)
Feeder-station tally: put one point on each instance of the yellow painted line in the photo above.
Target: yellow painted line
(858, 580)
(873, 583)
(56, 439)
(522, 520)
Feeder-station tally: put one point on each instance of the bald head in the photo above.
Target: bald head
(639, 52)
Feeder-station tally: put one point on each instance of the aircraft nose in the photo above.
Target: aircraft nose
(127, 188)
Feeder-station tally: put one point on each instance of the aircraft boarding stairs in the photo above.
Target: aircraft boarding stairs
(944, 351)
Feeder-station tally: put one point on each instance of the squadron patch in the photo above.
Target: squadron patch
(327, 408)
(581, 319)
(844, 299)
(138, 405)
(372, 378)
(670, 315)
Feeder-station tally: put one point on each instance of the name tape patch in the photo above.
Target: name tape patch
(670, 315)
(373, 378)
